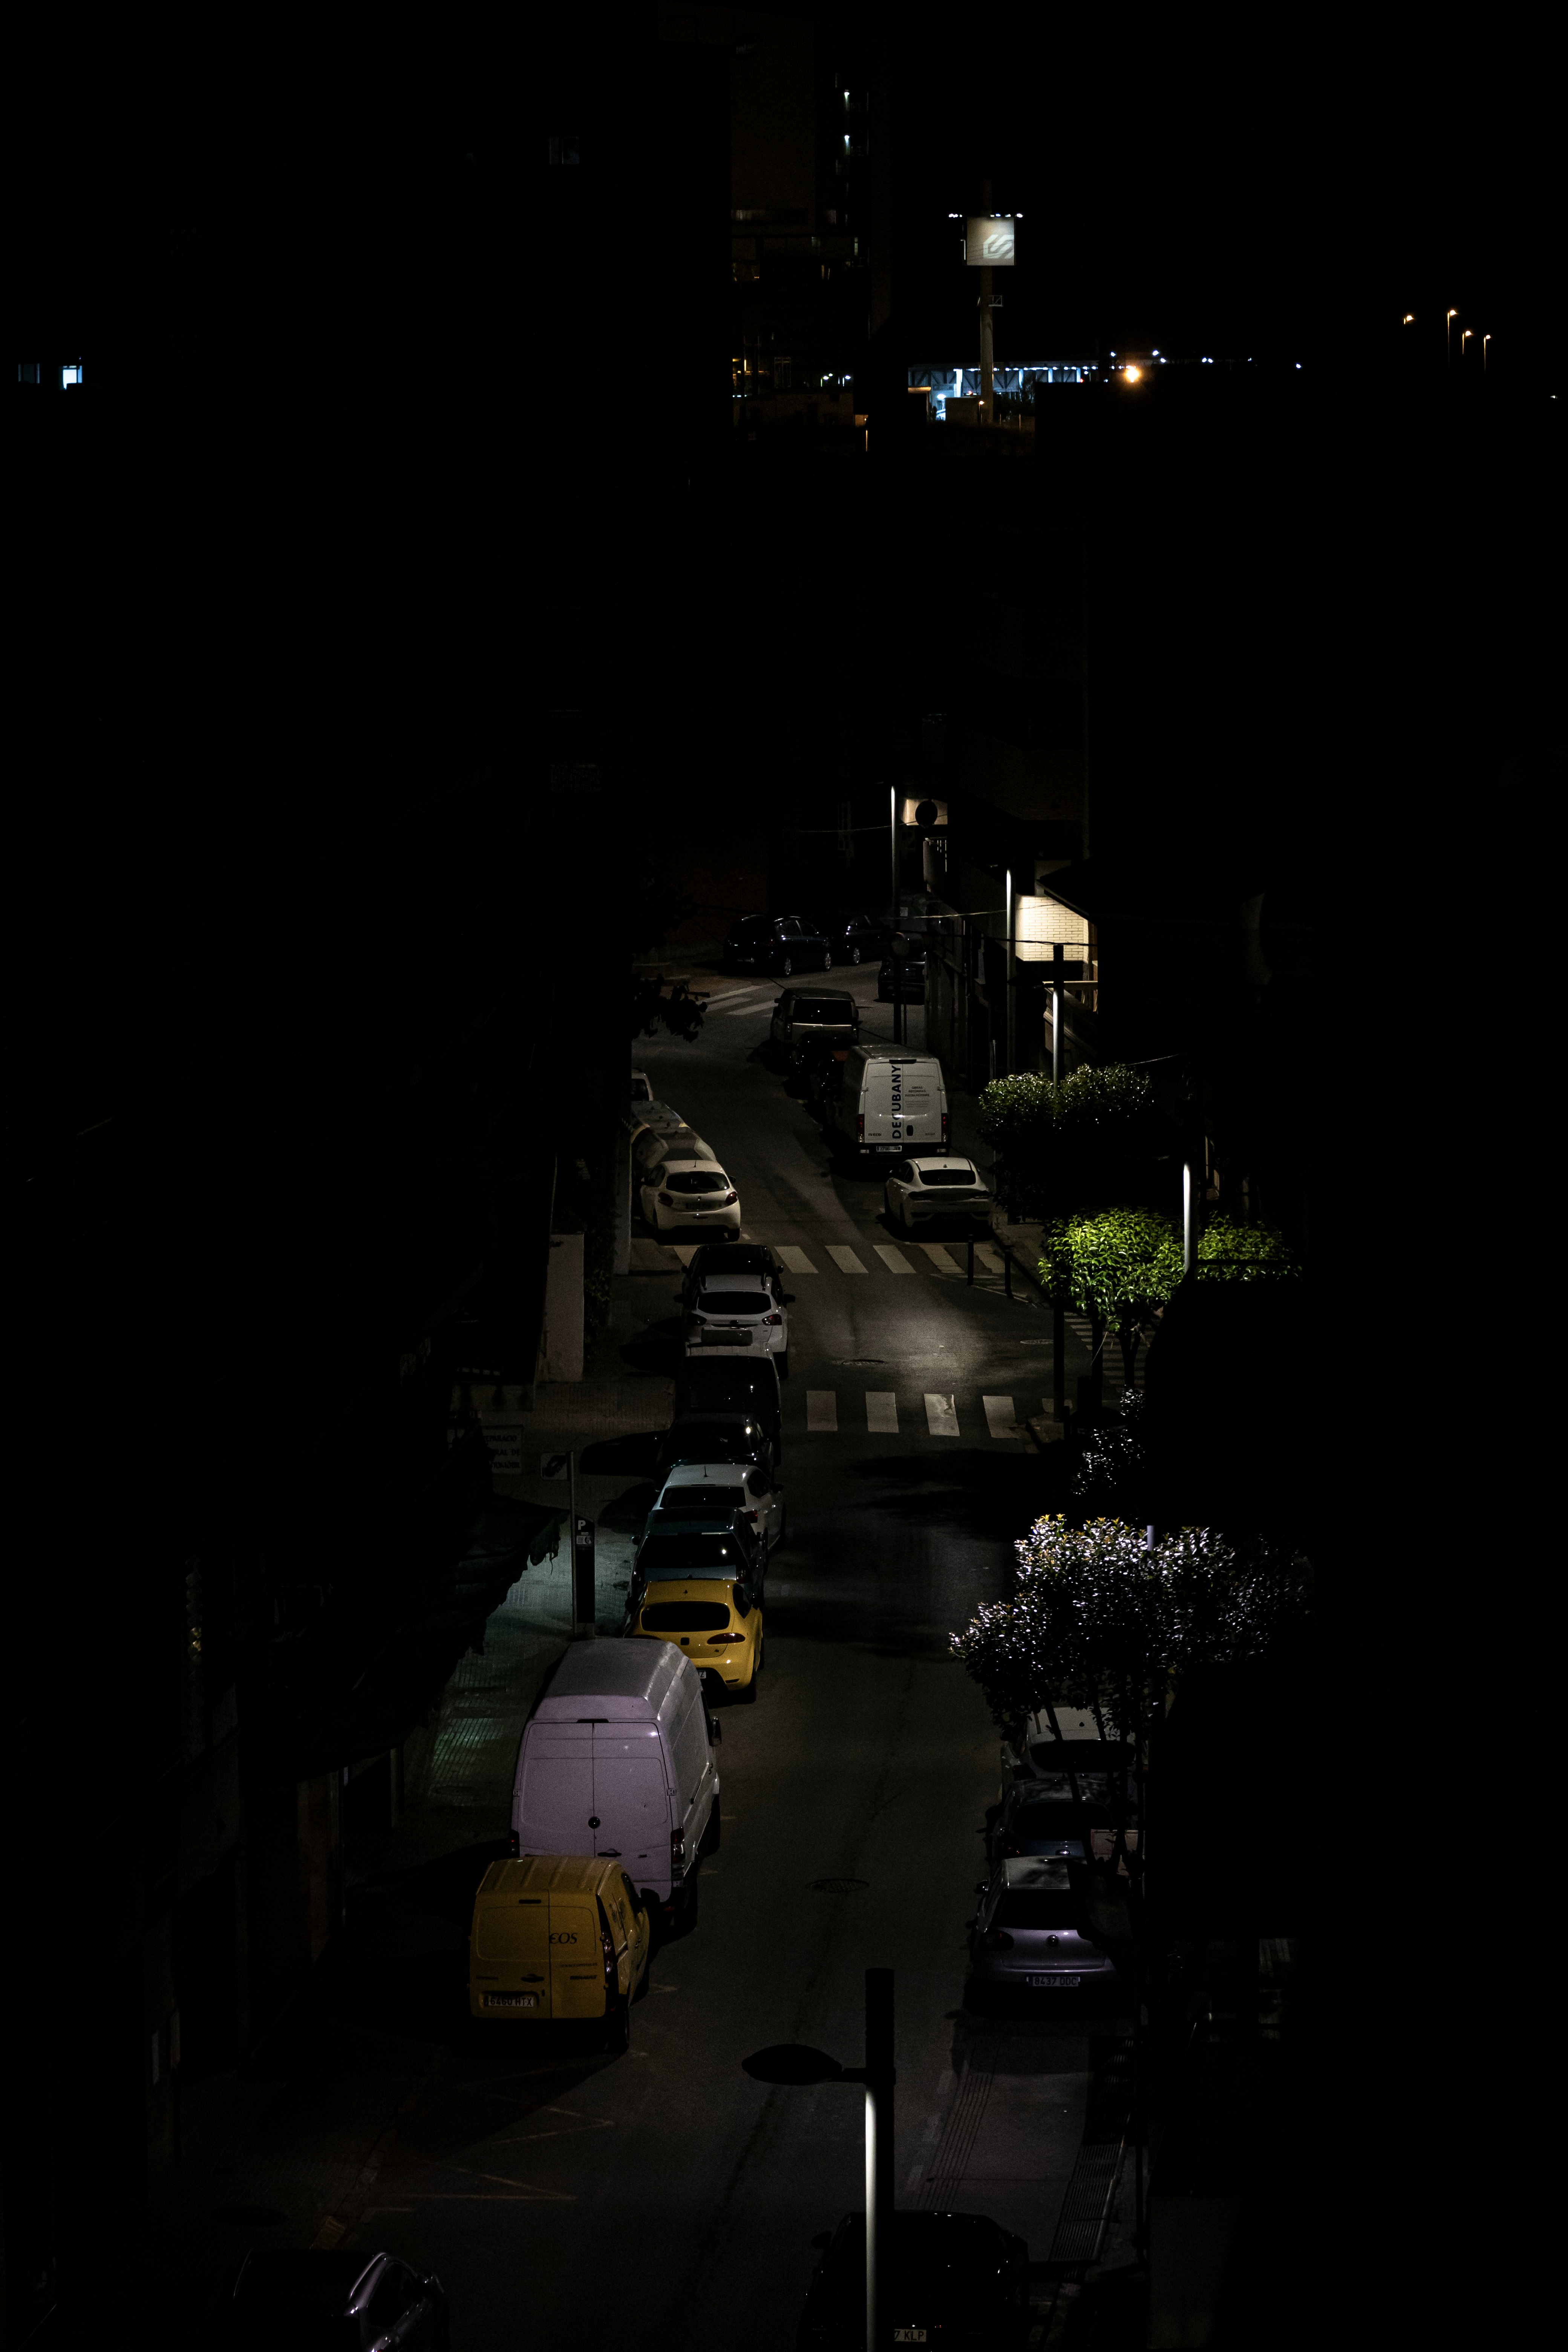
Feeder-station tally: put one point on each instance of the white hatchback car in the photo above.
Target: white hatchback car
(738, 1315)
(726, 1490)
(919, 1190)
(691, 1192)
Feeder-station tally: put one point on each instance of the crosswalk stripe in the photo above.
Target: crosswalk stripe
(795, 1259)
(894, 1260)
(822, 1410)
(990, 1257)
(941, 1258)
(941, 1418)
(1000, 1418)
(881, 1412)
(845, 1259)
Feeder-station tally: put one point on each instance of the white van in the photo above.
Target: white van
(617, 1760)
(887, 1103)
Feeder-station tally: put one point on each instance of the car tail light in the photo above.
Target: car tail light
(730, 1199)
(727, 1637)
(664, 1202)
(944, 1127)
(997, 1939)
(1011, 1848)
(677, 1856)
(772, 1318)
(608, 1950)
(860, 1128)
(514, 1846)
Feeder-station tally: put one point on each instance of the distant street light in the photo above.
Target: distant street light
(1408, 319)
(1484, 340)
(1464, 339)
(1448, 338)
(798, 2066)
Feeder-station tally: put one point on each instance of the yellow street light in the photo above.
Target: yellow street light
(1484, 340)
(1132, 374)
(1448, 337)
(1464, 339)
(1408, 319)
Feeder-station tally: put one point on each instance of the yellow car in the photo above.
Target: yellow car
(559, 1935)
(716, 1620)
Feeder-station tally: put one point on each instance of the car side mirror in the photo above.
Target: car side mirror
(715, 1731)
(822, 2241)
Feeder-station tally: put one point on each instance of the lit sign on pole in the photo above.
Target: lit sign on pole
(988, 243)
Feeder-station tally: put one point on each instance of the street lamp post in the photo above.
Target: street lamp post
(893, 853)
(1484, 340)
(798, 2066)
(1448, 338)
(1464, 339)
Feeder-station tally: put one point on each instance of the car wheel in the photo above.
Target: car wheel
(748, 1696)
(828, 960)
(787, 968)
(854, 955)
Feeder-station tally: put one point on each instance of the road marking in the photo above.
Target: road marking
(1000, 1418)
(942, 1419)
(893, 1259)
(845, 1260)
(686, 1251)
(943, 1261)
(913, 2182)
(822, 1409)
(881, 1412)
(990, 1257)
(795, 1259)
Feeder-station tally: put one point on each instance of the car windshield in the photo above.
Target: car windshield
(714, 1441)
(667, 1555)
(1057, 1820)
(953, 1174)
(703, 1498)
(1036, 1906)
(696, 1180)
(734, 1302)
(824, 1008)
(684, 1616)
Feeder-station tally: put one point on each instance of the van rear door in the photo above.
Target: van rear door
(511, 1949)
(876, 1106)
(577, 1957)
(631, 1802)
(917, 1100)
(554, 1799)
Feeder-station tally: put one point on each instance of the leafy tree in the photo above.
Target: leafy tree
(679, 1012)
(1116, 1265)
(1108, 1617)
(1097, 1136)
(1108, 1479)
(1230, 1251)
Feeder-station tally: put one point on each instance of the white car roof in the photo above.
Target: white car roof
(671, 1167)
(941, 1160)
(702, 1474)
(1037, 1869)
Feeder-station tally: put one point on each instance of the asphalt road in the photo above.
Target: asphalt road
(556, 2189)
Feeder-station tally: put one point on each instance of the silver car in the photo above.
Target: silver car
(1024, 1938)
(739, 1317)
(920, 1191)
(747, 1493)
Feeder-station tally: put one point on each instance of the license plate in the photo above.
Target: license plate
(891, 1147)
(1054, 1984)
(725, 1339)
(909, 2335)
(511, 2000)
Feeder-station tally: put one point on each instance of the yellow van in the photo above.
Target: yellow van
(558, 1937)
(715, 1620)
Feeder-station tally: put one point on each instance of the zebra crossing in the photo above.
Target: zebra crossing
(941, 1415)
(663, 1257)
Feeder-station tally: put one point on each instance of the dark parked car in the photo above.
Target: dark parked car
(950, 2281)
(904, 977)
(857, 938)
(730, 1259)
(294, 2301)
(731, 1389)
(781, 943)
(1038, 1818)
(806, 1012)
(816, 1067)
(736, 1439)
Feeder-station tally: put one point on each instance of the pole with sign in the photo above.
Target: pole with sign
(987, 245)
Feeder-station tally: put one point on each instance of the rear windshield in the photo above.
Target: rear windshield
(824, 1008)
(720, 1303)
(684, 1616)
(703, 1498)
(713, 1441)
(702, 1555)
(953, 1175)
(1036, 1906)
(1057, 1820)
(695, 1180)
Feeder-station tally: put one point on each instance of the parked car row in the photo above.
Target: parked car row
(791, 943)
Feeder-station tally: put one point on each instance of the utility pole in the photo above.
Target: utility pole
(893, 934)
(987, 359)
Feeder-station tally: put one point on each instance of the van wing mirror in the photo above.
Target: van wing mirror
(715, 1731)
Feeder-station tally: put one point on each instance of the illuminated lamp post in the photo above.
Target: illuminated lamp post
(1046, 928)
(798, 2066)
(1448, 338)
(988, 244)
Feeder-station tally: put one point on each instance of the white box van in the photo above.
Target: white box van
(887, 1103)
(617, 1760)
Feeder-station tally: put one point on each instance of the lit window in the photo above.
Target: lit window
(71, 374)
(564, 148)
